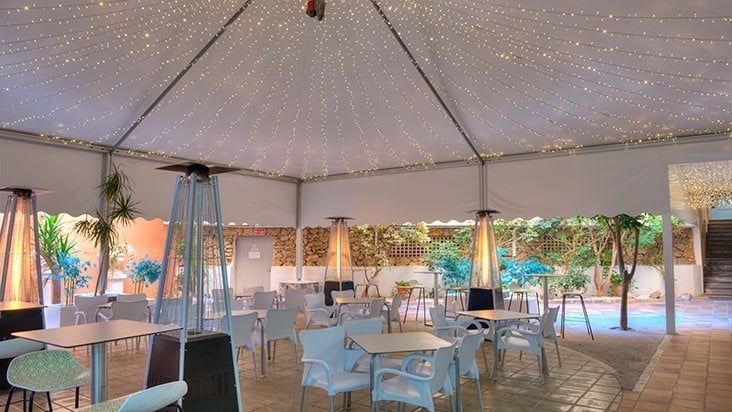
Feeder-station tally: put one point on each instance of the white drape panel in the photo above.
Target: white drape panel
(72, 175)
(440, 194)
(609, 182)
(244, 199)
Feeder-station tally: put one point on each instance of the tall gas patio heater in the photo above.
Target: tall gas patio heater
(338, 269)
(194, 264)
(485, 276)
(21, 259)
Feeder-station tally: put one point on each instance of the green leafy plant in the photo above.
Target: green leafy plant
(52, 242)
(71, 272)
(452, 258)
(118, 210)
(144, 273)
(517, 272)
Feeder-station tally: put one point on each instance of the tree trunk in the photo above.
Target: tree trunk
(101, 286)
(56, 289)
(624, 301)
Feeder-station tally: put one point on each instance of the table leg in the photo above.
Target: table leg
(494, 332)
(409, 297)
(263, 349)
(99, 372)
(545, 283)
(388, 318)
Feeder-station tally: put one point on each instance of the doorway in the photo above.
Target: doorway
(253, 262)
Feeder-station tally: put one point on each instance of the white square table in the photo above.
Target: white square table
(495, 316)
(97, 335)
(410, 342)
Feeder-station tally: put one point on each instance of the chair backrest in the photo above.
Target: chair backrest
(295, 298)
(325, 344)
(242, 327)
(348, 293)
(154, 398)
(396, 303)
(88, 305)
(218, 294)
(131, 298)
(280, 324)
(547, 323)
(469, 345)
(10, 348)
(437, 314)
(368, 326)
(314, 300)
(376, 307)
(441, 366)
(263, 300)
(136, 310)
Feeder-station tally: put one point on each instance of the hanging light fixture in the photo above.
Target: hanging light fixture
(338, 269)
(485, 275)
(21, 262)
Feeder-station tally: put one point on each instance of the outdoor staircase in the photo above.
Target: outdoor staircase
(718, 266)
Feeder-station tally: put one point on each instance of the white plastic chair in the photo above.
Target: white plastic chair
(279, 324)
(406, 386)
(524, 337)
(316, 313)
(548, 331)
(242, 334)
(136, 310)
(146, 400)
(375, 309)
(348, 293)
(451, 329)
(87, 306)
(264, 300)
(396, 303)
(328, 364)
(295, 298)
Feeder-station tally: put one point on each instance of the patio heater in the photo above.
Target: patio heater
(21, 293)
(338, 269)
(194, 264)
(21, 263)
(485, 277)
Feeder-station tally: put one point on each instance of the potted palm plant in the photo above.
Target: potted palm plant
(118, 209)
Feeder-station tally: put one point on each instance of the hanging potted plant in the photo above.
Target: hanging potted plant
(144, 273)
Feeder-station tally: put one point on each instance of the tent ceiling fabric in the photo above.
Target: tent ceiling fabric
(283, 94)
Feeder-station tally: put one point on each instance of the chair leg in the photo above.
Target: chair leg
(559, 358)
(254, 363)
(587, 317)
(297, 360)
(330, 400)
(480, 394)
(76, 398)
(10, 398)
(564, 315)
(541, 367)
(50, 407)
(302, 398)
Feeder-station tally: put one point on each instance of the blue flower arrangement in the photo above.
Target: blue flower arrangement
(71, 272)
(144, 273)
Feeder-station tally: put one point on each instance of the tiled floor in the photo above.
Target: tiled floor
(692, 372)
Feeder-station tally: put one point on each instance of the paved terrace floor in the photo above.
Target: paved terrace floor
(692, 371)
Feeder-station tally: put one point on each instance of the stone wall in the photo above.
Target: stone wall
(315, 245)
